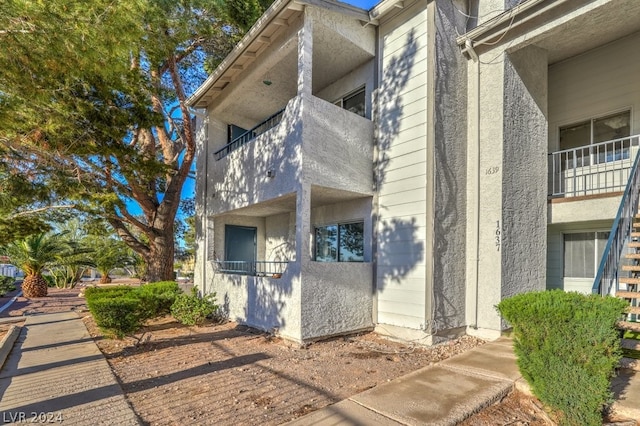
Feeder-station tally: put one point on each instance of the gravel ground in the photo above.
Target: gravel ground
(227, 374)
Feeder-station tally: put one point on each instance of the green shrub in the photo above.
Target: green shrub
(567, 347)
(6, 285)
(115, 291)
(192, 309)
(134, 304)
(50, 279)
(156, 298)
(119, 315)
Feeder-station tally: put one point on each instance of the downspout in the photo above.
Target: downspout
(375, 202)
(476, 210)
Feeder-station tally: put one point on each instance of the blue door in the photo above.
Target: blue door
(240, 248)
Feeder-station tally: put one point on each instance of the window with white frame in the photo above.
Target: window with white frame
(582, 253)
(353, 102)
(589, 136)
(342, 242)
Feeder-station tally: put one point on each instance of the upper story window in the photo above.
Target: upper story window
(588, 137)
(343, 242)
(353, 102)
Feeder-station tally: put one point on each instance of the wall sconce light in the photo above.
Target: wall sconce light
(271, 173)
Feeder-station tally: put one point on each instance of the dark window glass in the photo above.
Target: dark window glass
(355, 103)
(340, 243)
(351, 242)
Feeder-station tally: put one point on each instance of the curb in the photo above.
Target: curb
(7, 343)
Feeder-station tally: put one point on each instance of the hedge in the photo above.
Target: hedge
(121, 310)
(567, 347)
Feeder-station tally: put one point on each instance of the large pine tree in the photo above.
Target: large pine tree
(92, 102)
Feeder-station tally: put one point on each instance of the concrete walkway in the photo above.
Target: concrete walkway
(450, 391)
(56, 373)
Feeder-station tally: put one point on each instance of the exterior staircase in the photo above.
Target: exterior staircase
(632, 292)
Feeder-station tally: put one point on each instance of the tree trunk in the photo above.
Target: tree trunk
(105, 279)
(34, 286)
(160, 259)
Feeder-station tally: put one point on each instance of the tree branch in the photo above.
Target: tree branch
(41, 209)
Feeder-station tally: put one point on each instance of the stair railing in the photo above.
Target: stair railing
(606, 281)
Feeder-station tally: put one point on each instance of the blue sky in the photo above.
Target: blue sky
(363, 4)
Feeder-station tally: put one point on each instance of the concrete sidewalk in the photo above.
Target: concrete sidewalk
(56, 373)
(448, 392)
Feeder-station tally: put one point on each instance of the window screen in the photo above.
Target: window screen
(582, 253)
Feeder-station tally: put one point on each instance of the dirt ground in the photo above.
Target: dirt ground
(228, 374)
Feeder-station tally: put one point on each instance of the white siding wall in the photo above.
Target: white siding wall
(594, 84)
(402, 172)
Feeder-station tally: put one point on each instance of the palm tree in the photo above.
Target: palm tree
(33, 254)
(108, 253)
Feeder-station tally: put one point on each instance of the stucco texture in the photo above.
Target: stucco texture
(524, 180)
(450, 153)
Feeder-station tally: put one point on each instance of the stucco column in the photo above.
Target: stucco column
(506, 181)
(303, 224)
(305, 56)
(303, 257)
(201, 198)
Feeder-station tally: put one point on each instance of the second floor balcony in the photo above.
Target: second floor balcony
(593, 169)
(310, 141)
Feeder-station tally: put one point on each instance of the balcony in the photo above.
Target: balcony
(592, 169)
(258, 268)
(249, 135)
(311, 141)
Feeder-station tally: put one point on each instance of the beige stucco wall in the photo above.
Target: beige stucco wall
(317, 143)
(338, 297)
(506, 181)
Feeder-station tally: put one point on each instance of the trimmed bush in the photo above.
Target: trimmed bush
(115, 291)
(192, 309)
(567, 347)
(121, 310)
(119, 315)
(156, 298)
(6, 285)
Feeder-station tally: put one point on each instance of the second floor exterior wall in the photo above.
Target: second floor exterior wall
(315, 142)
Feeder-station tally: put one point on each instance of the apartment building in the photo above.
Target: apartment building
(405, 168)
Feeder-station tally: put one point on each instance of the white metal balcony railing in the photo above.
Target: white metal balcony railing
(249, 135)
(258, 268)
(592, 169)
